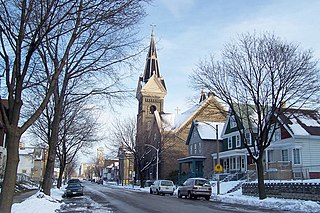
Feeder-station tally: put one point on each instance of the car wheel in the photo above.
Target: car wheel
(179, 194)
(207, 197)
(189, 196)
(151, 191)
(171, 194)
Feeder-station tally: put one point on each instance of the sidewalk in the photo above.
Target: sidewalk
(20, 197)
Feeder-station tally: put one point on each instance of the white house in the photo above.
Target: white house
(297, 141)
(293, 153)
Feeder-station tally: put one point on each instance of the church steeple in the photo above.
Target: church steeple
(151, 89)
(152, 64)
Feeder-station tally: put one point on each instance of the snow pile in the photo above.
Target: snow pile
(274, 203)
(39, 203)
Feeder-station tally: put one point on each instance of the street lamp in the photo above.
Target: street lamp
(218, 157)
(157, 175)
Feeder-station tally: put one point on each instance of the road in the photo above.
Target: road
(110, 199)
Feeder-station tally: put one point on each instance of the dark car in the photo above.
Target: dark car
(194, 188)
(74, 180)
(74, 189)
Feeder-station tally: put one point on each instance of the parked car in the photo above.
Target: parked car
(74, 180)
(194, 188)
(74, 189)
(162, 187)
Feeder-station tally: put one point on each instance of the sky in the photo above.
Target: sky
(188, 31)
(47, 204)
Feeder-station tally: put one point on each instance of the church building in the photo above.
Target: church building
(162, 136)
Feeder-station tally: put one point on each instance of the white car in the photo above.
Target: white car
(162, 187)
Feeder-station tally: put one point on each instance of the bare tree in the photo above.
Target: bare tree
(124, 135)
(71, 169)
(255, 77)
(91, 67)
(77, 133)
(24, 26)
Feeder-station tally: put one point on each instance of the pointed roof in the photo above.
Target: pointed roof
(152, 64)
(174, 122)
(206, 129)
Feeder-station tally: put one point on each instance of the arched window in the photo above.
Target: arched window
(152, 109)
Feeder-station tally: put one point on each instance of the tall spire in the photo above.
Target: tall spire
(152, 64)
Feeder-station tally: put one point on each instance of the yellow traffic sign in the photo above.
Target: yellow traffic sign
(218, 168)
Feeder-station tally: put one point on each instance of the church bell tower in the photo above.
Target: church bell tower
(151, 88)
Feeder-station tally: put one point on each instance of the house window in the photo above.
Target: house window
(238, 163)
(248, 138)
(270, 156)
(200, 148)
(195, 148)
(233, 163)
(238, 142)
(233, 122)
(242, 163)
(277, 134)
(230, 143)
(296, 156)
(191, 151)
(285, 156)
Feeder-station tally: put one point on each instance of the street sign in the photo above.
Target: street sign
(218, 168)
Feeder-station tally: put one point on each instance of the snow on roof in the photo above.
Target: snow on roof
(297, 128)
(304, 122)
(207, 130)
(173, 121)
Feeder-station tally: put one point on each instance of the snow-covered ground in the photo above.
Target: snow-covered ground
(47, 204)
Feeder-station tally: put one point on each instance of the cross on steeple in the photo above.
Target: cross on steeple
(152, 27)
(178, 109)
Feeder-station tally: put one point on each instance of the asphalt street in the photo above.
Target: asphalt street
(107, 198)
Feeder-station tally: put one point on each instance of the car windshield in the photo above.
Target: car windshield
(166, 183)
(74, 181)
(201, 182)
(74, 185)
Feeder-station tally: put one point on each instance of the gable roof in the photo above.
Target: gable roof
(301, 121)
(154, 85)
(174, 122)
(206, 130)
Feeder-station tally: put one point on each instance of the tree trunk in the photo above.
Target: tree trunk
(47, 179)
(53, 141)
(261, 186)
(59, 183)
(9, 181)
